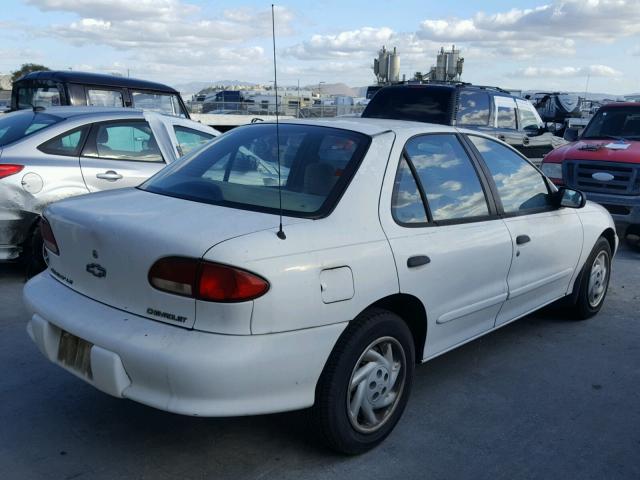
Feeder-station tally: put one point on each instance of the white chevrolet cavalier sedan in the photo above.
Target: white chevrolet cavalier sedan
(401, 241)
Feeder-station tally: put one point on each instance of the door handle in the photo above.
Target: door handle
(501, 137)
(417, 261)
(522, 239)
(110, 175)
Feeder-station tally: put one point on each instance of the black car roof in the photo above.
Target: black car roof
(451, 86)
(96, 79)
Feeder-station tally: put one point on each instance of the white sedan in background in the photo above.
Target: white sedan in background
(401, 241)
(55, 153)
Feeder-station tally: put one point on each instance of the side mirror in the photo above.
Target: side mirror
(571, 134)
(570, 198)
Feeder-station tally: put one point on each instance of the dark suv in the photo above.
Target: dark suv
(50, 88)
(490, 110)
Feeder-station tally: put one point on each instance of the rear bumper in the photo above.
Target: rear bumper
(14, 230)
(625, 210)
(178, 370)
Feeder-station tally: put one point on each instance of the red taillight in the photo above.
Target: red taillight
(221, 283)
(9, 169)
(206, 280)
(47, 237)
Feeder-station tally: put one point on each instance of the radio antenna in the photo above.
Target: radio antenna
(280, 233)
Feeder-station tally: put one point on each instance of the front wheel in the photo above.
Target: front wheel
(594, 282)
(366, 382)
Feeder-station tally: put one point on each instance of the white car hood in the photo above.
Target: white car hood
(108, 242)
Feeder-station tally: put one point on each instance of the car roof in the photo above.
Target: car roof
(70, 111)
(450, 86)
(96, 79)
(372, 126)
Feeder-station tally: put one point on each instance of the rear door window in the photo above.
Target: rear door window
(104, 98)
(126, 140)
(474, 108)
(190, 139)
(448, 177)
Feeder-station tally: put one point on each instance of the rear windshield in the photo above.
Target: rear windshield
(420, 104)
(17, 125)
(240, 169)
(613, 123)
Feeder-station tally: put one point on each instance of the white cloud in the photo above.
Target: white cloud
(119, 9)
(363, 40)
(551, 28)
(591, 70)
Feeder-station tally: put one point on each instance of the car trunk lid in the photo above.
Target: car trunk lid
(108, 242)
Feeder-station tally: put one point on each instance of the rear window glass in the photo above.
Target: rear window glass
(420, 104)
(15, 126)
(240, 169)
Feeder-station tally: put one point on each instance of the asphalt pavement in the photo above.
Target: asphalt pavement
(544, 397)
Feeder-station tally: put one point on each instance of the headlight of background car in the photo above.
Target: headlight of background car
(552, 170)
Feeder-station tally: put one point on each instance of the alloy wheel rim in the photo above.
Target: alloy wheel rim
(598, 279)
(376, 384)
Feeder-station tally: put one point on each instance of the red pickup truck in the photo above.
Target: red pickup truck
(604, 162)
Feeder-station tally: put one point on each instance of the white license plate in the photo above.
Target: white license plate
(75, 353)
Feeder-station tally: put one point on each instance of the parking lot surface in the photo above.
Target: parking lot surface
(544, 397)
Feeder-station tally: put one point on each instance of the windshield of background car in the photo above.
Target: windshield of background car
(419, 104)
(619, 122)
(240, 169)
(14, 126)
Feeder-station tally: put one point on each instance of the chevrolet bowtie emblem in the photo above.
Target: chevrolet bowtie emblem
(96, 270)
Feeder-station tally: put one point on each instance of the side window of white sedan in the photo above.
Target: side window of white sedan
(521, 188)
(447, 182)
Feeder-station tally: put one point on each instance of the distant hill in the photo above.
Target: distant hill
(195, 87)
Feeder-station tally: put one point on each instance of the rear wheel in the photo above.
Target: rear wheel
(366, 383)
(594, 281)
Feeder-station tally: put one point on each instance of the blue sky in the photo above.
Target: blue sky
(534, 44)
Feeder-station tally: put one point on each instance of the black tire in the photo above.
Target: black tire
(34, 253)
(333, 422)
(583, 308)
